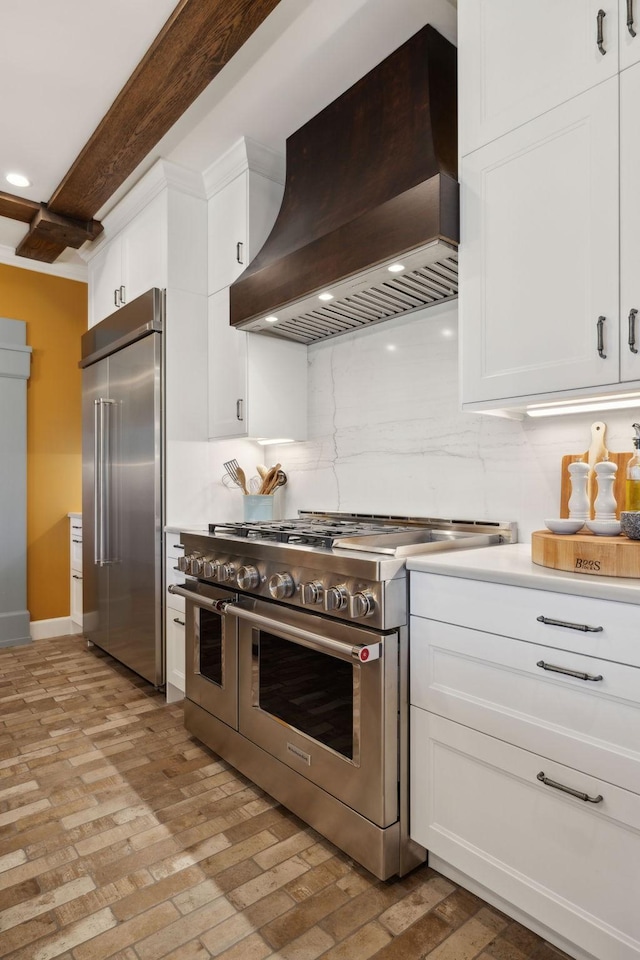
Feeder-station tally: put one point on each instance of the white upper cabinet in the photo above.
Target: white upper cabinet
(520, 59)
(245, 188)
(131, 263)
(629, 221)
(539, 258)
(629, 32)
(257, 384)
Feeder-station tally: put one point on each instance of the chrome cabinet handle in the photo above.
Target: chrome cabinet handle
(632, 330)
(630, 18)
(578, 674)
(600, 38)
(76, 577)
(600, 326)
(123, 298)
(116, 297)
(239, 411)
(178, 621)
(572, 626)
(574, 793)
(239, 251)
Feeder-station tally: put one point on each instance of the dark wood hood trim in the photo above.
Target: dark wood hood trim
(369, 178)
(426, 212)
(196, 42)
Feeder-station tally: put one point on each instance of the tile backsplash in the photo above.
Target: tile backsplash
(387, 435)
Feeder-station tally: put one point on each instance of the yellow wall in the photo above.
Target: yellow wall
(55, 311)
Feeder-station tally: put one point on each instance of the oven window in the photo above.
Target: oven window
(310, 691)
(210, 645)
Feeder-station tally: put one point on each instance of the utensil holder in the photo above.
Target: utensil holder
(258, 506)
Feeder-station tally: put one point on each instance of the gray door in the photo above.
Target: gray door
(95, 575)
(135, 535)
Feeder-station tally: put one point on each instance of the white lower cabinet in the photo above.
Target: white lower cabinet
(75, 573)
(525, 754)
(174, 622)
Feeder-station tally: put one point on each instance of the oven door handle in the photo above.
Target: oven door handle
(195, 597)
(362, 652)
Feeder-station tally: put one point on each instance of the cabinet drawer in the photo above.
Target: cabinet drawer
(76, 545)
(514, 611)
(498, 686)
(175, 652)
(573, 865)
(173, 575)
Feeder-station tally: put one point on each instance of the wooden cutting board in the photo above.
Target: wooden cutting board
(597, 451)
(586, 553)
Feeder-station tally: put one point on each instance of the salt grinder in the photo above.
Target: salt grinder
(605, 500)
(579, 499)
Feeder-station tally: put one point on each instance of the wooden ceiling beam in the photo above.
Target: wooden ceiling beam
(17, 208)
(50, 234)
(196, 42)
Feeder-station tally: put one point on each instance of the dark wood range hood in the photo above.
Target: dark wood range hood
(371, 181)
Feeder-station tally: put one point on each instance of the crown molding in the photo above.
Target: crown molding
(245, 154)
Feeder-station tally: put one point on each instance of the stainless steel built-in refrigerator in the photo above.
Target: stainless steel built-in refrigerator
(122, 485)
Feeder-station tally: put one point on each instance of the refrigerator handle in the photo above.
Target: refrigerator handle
(101, 482)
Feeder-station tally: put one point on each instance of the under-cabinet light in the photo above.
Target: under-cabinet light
(271, 319)
(325, 296)
(616, 401)
(396, 268)
(264, 441)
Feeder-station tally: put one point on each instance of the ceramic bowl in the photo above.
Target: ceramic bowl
(604, 528)
(564, 525)
(630, 523)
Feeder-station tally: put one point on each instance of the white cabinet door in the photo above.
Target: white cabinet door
(629, 20)
(520, 59)
(228, 238)
(629, 221)
(144, 250)
(539, 253)
(105, 277)
(227, 371)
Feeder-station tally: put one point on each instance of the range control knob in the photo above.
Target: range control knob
(248, 578)
(195, 566)
(311, 592)
(208, 569)
(184, 564)
(335, 598)
(223, 571)
(362, 604)
(281, 586)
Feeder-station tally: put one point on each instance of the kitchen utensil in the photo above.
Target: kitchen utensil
(269, 481)
(262, 470)
(231, 466)
(597, 452)
(242, 480)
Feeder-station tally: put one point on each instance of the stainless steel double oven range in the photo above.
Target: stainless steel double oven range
(297, 665)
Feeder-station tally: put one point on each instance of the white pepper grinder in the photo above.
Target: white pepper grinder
(579, 500)
(605, 505)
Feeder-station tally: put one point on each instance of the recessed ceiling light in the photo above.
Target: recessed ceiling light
(325, 296)
(271, 319)
(396, 268)
(18, 180)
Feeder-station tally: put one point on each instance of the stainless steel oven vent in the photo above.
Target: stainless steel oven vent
(369, 299)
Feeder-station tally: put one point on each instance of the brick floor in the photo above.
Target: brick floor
(123, 837)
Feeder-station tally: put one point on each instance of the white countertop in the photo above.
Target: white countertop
(75, 516)
(512, 564)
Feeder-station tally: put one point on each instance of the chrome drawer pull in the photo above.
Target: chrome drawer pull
(578, 674)
(574, 793)
(178, 621)
(572, 626)
(600, 328)
(630, 18)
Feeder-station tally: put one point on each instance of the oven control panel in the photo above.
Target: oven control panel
(381, 605)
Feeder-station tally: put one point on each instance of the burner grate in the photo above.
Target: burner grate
(310, 531)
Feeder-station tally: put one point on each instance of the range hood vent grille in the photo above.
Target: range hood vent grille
(368, 304)
(370, 181)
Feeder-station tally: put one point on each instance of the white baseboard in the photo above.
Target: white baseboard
(56, 627)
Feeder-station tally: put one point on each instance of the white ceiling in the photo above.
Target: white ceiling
(62, 67)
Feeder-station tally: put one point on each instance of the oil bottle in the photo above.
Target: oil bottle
(633, 473)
